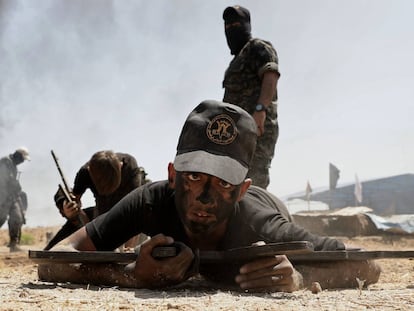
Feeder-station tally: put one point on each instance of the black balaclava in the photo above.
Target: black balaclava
(237, 36)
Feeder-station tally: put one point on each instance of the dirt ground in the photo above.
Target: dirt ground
(21, 290)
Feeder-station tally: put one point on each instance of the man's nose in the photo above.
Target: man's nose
(205, 196)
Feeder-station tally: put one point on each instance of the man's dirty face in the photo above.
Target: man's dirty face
(204, 201)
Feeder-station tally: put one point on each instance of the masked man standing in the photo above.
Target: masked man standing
(250, 82)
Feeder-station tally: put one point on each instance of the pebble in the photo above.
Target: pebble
(316, 288)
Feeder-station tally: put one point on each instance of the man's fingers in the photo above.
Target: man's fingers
(159, 272)
(267, 274)
(71, 209)
(157, 240)
(263, 263)
(260, 130)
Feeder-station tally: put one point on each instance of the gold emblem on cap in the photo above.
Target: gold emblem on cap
(222, 130)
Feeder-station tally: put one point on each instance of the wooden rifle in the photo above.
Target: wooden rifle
(297, 251)
(65, 188)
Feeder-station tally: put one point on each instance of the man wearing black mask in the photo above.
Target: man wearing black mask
(250, 82)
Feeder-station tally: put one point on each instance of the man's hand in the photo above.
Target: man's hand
(259, 117)
(271, 274)
(71, 210)
(152, 273)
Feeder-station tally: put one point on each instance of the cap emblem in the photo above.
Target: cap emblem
(222, 130)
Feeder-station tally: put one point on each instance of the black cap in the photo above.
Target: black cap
(23, 153)
(218, 139)
(236, 13)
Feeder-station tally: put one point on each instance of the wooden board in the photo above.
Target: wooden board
(349, 255)
(231, 255)
(299, 251)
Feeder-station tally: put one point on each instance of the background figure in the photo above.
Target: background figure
(250, 82)
(13, 201)
(109, 176)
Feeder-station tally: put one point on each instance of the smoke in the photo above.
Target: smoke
(82, 76)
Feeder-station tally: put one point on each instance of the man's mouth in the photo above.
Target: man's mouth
(200, 216)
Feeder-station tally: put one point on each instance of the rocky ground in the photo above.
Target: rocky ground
(21, 290)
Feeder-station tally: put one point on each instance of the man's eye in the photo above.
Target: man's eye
(193, 177)
(225, 185)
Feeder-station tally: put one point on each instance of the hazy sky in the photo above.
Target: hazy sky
(80, 76)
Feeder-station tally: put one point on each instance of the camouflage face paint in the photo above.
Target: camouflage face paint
(205, 197)
(203, 203)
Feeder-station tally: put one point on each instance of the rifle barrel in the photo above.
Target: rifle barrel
(66, 185)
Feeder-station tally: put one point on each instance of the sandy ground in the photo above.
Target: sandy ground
(21, 290)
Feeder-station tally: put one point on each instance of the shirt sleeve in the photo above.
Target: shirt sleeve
(291, 232)
(271, 66)
(265, 56)
(261, 216)
(272, 226)
(113, 228)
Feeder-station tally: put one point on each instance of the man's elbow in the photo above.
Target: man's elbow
(81, 241)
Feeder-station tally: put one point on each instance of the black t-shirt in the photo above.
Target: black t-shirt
(150, 209)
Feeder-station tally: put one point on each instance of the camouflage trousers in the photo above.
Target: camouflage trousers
(13, 211)
(265, 149)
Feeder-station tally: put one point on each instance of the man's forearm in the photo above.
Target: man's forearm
(268, 89)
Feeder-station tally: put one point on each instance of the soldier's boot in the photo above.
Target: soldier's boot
(15, 231)
(13, 245)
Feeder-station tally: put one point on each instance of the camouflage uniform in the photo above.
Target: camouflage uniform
(13, 201)
(242, 83)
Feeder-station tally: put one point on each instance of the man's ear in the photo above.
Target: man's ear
(171, 175)
(243, 188)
